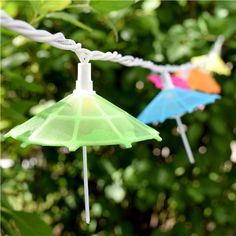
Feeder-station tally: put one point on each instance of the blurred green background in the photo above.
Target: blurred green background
(150, 189)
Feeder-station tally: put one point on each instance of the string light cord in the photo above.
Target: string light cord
(58, 40)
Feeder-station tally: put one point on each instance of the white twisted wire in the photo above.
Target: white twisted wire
(58, 40)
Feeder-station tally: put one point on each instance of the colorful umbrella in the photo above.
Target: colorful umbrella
(213, 62)
(172, 103)
(83, 119)
(177, 81)
(200, 80)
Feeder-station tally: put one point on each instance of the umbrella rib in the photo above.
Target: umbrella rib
(140, 124)
(148, 111)
(108, 120)
(163, 108)
(77, 121)
(183, 105)
(40, 128)
(189, 96)
(87, 117)
(162, 118)
(46, 121)
(195, 105)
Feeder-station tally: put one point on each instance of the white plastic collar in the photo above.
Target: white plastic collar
(84, 83)
(166, 80)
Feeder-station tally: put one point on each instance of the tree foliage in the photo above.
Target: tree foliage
(150, 189)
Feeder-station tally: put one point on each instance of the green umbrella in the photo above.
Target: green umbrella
(83, 119)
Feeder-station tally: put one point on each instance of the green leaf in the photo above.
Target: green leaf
(220, 215)
(15, 60)
(50, 6)
(194, 133)
(182, 2)
(20, 83)
(6, 228)
(10, 7)
(115, 192)
(13, 115)
(108, 6)
(4, 124)
(30, 224)
(4, 201)
(195, 194)
(41, 106)
(43, 7)
(150, 5)
(68, 18)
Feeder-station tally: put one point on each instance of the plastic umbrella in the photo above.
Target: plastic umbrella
(172, 103)
(200, 80)
(83, 119)
(212, 61)
(177, 81)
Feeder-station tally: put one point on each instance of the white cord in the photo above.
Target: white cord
(58, 40)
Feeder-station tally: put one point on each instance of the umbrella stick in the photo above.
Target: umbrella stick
(185, 140)
(86, 191)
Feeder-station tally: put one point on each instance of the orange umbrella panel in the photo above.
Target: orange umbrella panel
(202, 81)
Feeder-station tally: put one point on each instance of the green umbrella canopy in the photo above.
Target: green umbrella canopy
(82, 120)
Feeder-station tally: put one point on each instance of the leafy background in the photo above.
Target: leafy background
(150, 189)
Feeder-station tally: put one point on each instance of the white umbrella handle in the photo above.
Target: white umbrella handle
(185, 140)
(218, 45)
(86, 191)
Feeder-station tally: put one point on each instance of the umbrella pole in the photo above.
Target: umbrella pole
(86, 191)
(185, 140)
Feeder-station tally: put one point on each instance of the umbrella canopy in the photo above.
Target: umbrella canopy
(82, 120)
(173, 102)
(202, 81)
(177, 81)
(213, 63)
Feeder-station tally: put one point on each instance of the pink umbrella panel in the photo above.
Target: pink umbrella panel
(177, 81)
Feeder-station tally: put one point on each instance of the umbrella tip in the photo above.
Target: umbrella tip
(192, 162)
(87, 220)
